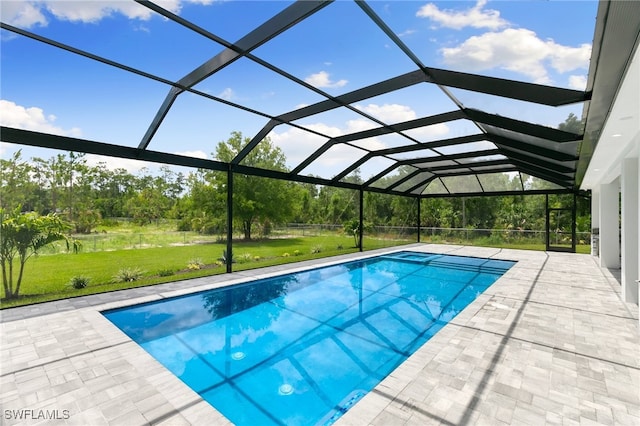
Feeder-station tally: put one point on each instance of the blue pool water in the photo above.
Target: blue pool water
(301, 349)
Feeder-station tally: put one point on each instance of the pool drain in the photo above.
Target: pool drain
(238, 355)
(285, 389)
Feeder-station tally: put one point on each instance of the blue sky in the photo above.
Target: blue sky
(336, 50)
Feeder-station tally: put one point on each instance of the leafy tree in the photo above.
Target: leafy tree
(86, 219)
(204, 208)
(256, 199)
(154, 196)
(112, 190)
(307, 197)
(572, 124)
(59, 175)
(336, 205)
(21, 236)
(17, 186)
(404, 211)
(69, 187)
(436, 212)
(145, 207)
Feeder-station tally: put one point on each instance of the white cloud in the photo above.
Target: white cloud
(407, 33)
(227, 94)
(30, 13)
(322, 80)
(566, 58)
(518, 50)
(475, 17)
(94, 11)
(359, 125)
(32, 118)
(396, 113)
(428, 133)
(578, 82)
(389, 113)
(113, 163)
(195, 154)
(297, 144)
(23, 14)
(134, 166)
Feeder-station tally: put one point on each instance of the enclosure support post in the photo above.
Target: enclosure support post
(630, 234)
(419, 203)
(574, 212)
(547, 221)
(229, 256)
(610, 225)
(361, 225)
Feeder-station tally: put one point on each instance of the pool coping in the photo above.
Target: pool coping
(489, 364)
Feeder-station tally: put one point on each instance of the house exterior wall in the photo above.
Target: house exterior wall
(613, 176)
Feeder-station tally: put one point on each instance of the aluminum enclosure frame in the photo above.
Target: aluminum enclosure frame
(522, 147)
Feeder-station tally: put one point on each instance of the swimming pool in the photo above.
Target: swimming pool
(303, 348)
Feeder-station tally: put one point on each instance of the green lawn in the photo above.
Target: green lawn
(47, 277)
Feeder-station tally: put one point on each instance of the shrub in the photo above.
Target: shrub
(256, 258)
(195, 264)
(78, 282)
(352, 227)
(296, 253)
(316, 249)
(244, 257)
(165, 272)
(127, 275)
(183, 225)
(285, 255)
(224, 259)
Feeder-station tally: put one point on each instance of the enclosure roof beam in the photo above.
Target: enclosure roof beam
(406, 125)
(502, 142)
(395, 83)
(426, 121)
(550, 165)
(66, 143)
(423, 184)
(265, 32)
(512, 89)
(523, 127)
(529, 92)
(404, 179)
(417, 163)
(499, 193)
(414, 161)
(451, 157)
(460, 173)
(557, 178)
(487, 163)
(517, 126)
(410, 148)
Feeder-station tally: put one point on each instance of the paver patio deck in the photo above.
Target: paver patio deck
(549, 342)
